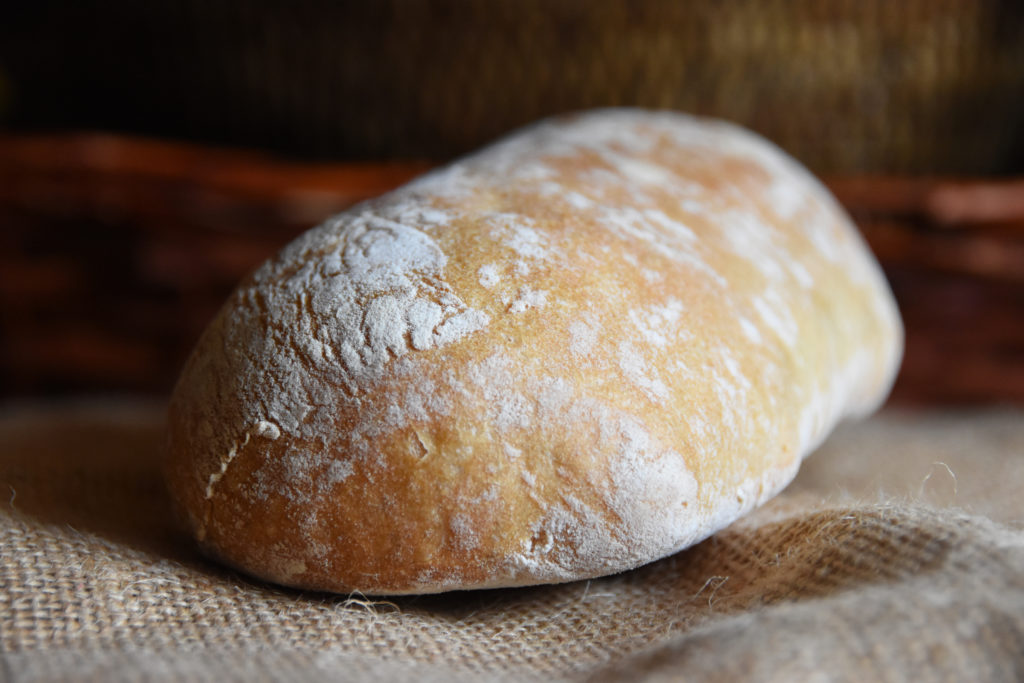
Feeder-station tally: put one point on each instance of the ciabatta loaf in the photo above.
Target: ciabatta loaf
(583, 348)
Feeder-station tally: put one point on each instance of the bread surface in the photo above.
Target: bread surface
(583, 348)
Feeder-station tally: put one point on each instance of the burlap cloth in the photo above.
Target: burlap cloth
(898, 554)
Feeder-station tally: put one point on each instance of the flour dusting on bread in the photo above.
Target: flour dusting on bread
(581, 349)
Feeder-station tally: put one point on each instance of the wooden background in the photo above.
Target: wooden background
(116, 251)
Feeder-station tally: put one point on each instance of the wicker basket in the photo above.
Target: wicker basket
(116, 252)
(847, 86)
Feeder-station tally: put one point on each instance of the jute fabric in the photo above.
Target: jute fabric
(896, 555)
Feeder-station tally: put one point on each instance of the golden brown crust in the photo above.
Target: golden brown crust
(579, 350)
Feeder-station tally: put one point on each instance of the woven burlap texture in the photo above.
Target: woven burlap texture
(898, 554)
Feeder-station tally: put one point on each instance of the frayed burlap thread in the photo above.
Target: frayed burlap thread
(876, 564)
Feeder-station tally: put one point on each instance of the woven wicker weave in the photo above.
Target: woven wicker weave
(115, 253)
(846, 85)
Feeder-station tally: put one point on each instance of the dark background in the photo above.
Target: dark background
(152, 153)
(922, 86)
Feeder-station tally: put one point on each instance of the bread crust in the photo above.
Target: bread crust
(583, 348)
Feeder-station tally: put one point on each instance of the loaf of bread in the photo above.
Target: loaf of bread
(581, 349)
